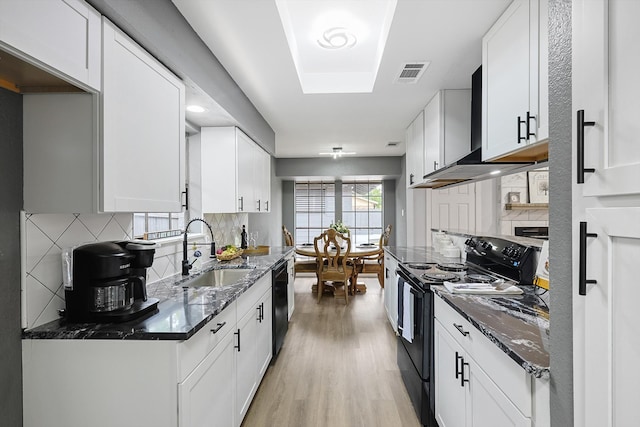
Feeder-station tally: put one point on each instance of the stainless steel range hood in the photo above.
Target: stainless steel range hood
(471, 168)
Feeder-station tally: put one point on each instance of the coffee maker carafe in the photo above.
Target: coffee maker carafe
(109, 282)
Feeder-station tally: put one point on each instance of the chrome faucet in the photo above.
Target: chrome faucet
(186, 265)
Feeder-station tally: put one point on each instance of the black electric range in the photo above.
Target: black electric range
(487, 260)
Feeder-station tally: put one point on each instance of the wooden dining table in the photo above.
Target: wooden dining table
(356, 254)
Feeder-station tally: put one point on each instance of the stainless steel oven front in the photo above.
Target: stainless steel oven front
(415, 344)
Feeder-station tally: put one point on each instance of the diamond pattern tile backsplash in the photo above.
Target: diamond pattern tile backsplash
(44, 236)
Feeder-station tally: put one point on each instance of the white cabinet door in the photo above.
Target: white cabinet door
(265, 333)
(143, 129)
(63, 36)
(391, 290)
(291, 293)
(415, 151)
(605, 86)
(207, 395)
(246, 360)
(605, 321)
(450, 392)
(487, 405)
(246, 173)
(262, 183)
(514, 79)
(432, 134)
(218, 169)
(447, 128)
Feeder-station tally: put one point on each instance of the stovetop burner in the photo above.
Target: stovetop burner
(479, 278)
(451, 266)
(440, 276)
(421, 265)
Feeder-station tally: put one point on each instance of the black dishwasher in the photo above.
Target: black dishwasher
(280, 306)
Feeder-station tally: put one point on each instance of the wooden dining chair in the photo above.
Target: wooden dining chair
(334, 264)
(375, 263)
(301, 264)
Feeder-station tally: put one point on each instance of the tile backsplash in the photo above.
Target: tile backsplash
(44, 236)
(519, 218)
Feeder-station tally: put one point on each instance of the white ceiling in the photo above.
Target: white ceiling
(248, 39)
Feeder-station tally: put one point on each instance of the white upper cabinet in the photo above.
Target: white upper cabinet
(143, 125)
(447, 128)
(515, 80)
(117, 151)
(236, 172)
(606, 207)
(605, 87)
(415, 147)
(61, 36)
(262, 185)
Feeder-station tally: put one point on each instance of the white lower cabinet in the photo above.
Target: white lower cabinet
(208, 380)
(477, 384)
(391, 290)
(202, 401)
(254, 345)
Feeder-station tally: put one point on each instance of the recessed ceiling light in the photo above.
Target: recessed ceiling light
(495, 172)
(336, 46)
(196, 109)
(337, 38)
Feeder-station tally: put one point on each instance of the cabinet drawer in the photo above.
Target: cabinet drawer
(511, 378)
(193, 351)
(459, 327)
(249, 299)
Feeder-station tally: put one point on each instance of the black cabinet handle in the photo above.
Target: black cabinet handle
(435, 165)
(266, 206)
(459, 328)
(462, 378)
(241, 199)
(410, 179)
(582, 266)
(261, 312)
(580, 125)
(237, 346)
(529, 118)
(218, 327)
(186, 198)
(386, 273)
(258, 205)
(520, 137)
(458, 358)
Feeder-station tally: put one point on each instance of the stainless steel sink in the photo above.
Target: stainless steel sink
(218, 278)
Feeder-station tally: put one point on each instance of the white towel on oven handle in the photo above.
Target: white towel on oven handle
(407, 313)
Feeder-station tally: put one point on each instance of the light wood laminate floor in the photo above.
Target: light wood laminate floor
(337, 366)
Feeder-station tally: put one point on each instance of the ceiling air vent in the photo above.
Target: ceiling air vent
(412, 71)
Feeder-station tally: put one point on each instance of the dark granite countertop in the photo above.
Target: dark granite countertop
(517, 324)
(181, 311)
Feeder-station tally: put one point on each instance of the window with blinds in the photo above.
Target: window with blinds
(315, 209)
(362, 210)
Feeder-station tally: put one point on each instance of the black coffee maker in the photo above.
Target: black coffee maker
(109, 282)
